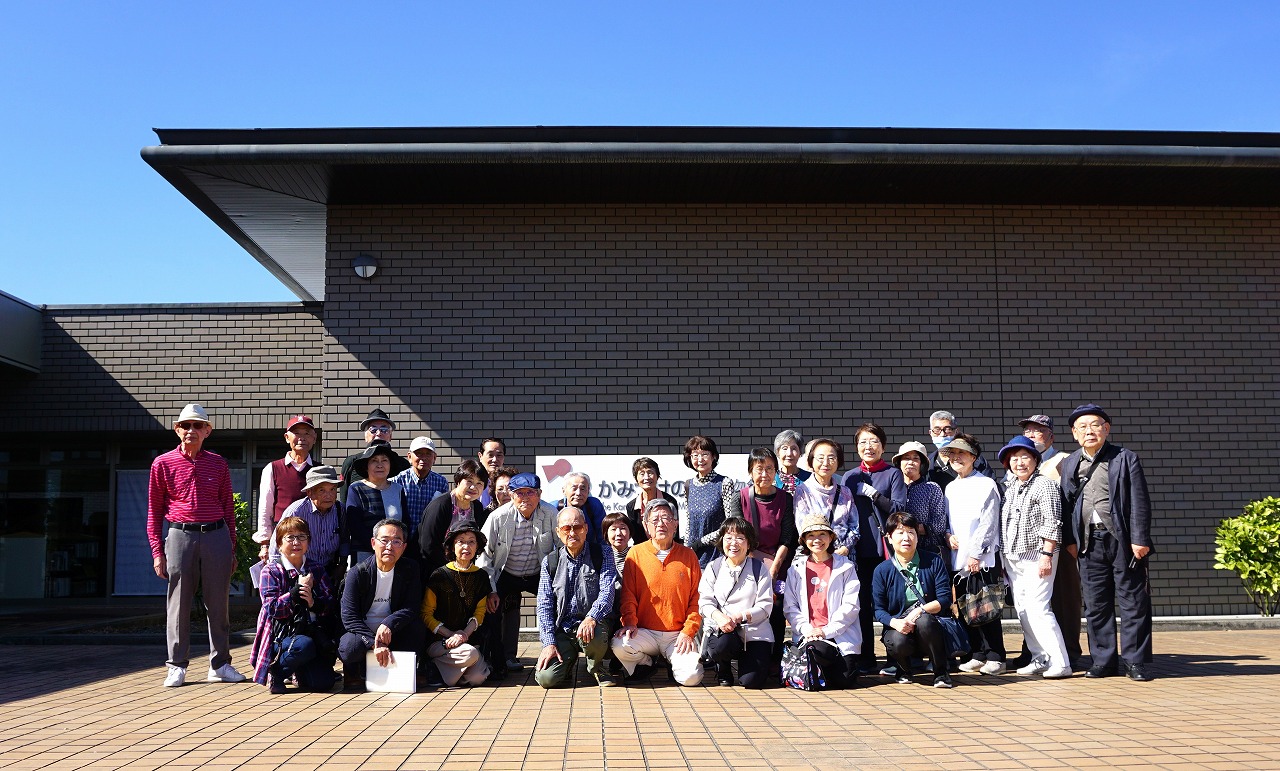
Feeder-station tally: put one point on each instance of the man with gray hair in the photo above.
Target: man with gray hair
(575, 605)
(190, 489)
(577, 493)
(942, 429)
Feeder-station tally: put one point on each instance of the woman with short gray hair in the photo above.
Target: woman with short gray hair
(787, 446)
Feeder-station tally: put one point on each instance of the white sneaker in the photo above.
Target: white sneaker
(176, 677)
(225, 674)
(1034, 668)
(972, 665)
(1057, 673)
(993, 668)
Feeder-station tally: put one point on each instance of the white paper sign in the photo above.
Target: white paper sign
(398, 676)
(612, 481)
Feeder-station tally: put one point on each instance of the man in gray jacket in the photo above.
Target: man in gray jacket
(520, 534)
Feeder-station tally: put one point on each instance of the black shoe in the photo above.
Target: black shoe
(902, 677)
(1022, 660)
(724, 674)
(868, 668)
(1101, 671)
(1077, 664)
(642, 672)
(943, 681)
(1139, 673)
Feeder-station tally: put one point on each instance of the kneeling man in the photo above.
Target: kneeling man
(575, 600)
(380, 605)
(660, 602)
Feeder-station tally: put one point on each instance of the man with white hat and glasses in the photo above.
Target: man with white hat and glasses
(190, 488)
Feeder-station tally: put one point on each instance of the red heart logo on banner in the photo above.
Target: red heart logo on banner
(557, 470)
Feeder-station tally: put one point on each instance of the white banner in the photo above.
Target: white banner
(612, 481)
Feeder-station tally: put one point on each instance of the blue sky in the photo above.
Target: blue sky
(85, 220)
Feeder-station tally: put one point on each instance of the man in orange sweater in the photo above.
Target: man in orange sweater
(660, 602)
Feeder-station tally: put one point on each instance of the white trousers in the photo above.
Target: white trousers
(686, 668)
(1031, 595)
(462, 662)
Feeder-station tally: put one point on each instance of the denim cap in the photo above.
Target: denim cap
(1089, 409)
(525, 481)
(1018, 443)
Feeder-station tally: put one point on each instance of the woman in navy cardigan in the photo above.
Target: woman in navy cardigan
(908, 590)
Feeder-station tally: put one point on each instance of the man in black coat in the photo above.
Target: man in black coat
(381, 605)
(1110, 514)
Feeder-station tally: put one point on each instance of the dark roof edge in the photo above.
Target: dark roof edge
(20, 301)
(167, 156)
(188, 307)
(713, 135)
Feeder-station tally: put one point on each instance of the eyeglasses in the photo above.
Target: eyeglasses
(394, 543)
(296, 538)
(572, 528)
(378, 429)
(661, 519)
(191, 425)
(1096, 426)
(869, 443)
(944, 431)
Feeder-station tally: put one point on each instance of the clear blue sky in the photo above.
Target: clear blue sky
(84, 220)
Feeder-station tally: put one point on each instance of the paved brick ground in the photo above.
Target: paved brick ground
(1216, 704)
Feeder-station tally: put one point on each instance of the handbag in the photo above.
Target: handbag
(980, 596)
(956, 637)
(799, 670)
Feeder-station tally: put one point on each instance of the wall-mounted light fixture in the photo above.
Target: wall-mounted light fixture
(365, 265)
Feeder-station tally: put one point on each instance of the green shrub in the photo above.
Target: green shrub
(246, 549)
(1250, 545)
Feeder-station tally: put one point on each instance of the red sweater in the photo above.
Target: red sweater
(662, 596)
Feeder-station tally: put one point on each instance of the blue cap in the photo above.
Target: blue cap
(524, 481)
(1018, 443)
(1089, 409)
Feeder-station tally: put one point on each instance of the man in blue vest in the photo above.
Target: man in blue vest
(575, 605)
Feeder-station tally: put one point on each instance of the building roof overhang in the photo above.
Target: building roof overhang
(270, 188)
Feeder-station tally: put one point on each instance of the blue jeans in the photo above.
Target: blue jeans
(300, 656)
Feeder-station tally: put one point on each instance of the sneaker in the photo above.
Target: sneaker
(972, 665)
(943, 681)
(176, 677)
(1034, 668)
(514, 665)
(993, 668)
(889, 671)
(902, 678)
(1057, 673)
(225, 674)
(642, 672)
(607, 681)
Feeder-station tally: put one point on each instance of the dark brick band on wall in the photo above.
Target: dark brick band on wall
(625, 329)
(133, 368)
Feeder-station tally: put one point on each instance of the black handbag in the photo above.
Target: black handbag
(980, 596)
(799, 669)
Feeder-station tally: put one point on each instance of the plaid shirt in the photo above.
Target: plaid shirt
(1032, 513)
(418, 493)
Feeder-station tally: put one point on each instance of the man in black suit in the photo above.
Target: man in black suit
(1111, 518)
(381, 605)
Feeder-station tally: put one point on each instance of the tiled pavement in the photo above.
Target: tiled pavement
(1215, 704)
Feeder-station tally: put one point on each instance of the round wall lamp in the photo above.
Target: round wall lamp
(365, 266)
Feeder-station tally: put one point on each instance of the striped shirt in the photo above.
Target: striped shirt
(523, 560)
(183, 489)
(325, 529)
(418, 493)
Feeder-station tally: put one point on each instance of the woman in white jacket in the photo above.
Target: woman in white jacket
(821, 603)
(735, 597)
(973, 506)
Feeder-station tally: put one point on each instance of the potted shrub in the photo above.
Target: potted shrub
(1250, 545)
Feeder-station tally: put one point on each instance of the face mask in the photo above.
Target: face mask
(942, 441)
(1041, 446)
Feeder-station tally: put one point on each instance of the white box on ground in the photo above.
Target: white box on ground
(399, 676)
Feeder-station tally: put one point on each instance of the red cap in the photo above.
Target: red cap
(299, 420)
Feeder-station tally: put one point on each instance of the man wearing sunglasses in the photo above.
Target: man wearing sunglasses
(575, 605)
(376, 427)
(190, 488)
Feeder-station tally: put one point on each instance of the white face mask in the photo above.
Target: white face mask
(942, 441)
(1041, 447)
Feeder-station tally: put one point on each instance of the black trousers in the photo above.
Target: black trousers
(1108, 581)
(926, 639)
(867, 610)
(752, 657)
(840, 671)
(351, 649)
(510, 589)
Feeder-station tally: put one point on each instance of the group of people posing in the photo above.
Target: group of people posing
(711, 580)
